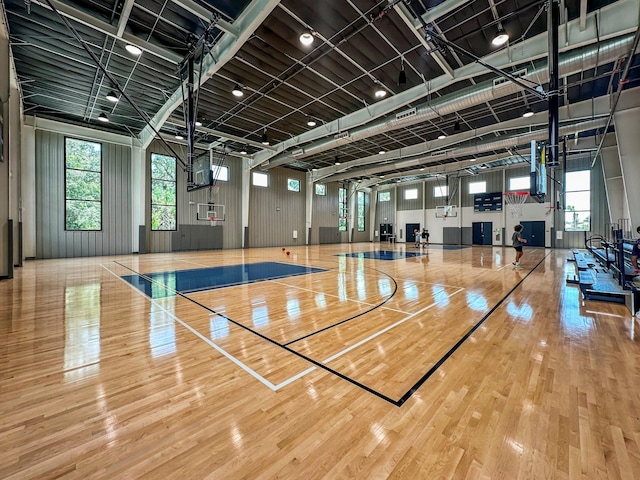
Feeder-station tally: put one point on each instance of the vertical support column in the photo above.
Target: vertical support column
(553, 24)
(138, 200)
(373, 205)
(191, 120)
(309, 207)
(13, 124)
(352, 206)
(613, 183)
(246, 190)
(28, 189)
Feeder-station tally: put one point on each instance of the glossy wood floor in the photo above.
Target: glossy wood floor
(447, 365)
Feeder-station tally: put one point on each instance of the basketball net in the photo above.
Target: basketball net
(515, 200)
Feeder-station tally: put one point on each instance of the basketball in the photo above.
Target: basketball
(288, 253)
(283, 249)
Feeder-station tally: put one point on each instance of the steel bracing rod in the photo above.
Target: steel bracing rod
(441, 40)
(114, 82)
(553, 23)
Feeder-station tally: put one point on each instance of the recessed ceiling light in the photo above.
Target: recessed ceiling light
(103, 118)
(112, 97)
(382, 151)
(306, 38)
(133, 50)
(501, 38)
(380, 92)
(237, 91)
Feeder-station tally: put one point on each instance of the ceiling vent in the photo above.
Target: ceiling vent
(297, 153)
(440, 153)
(340, 135)
(517, 74)
(406, 114)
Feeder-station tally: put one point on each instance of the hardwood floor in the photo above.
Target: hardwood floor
(447, 365)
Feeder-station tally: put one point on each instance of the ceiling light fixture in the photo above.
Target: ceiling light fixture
(306, 38)
(402, 76)
(103, 118)
(456, 126)
(265, 139)
(133, 50)
(237, 91)
(112, 96)
(198, 123)
(382, 151)
(243, 151)
(311, 122)
(380, 92)
(528, 113)
(501, 38)
(179, 137)
(442, 136)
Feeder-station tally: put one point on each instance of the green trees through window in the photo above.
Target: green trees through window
(83, 185)
(361, 211)
(163, 192)
(342, 209)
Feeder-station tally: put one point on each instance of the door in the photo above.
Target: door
(411, 236)
(534, 233)
(386, 230)
(482, 233)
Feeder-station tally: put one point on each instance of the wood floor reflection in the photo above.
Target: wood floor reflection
(446, 363)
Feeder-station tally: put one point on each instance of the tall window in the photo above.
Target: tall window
(163, 192)
(83, 185)
(577, 213)
(342, 209)
(361, 210)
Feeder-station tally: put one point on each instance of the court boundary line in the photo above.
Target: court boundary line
(464, 338)
(290, 350)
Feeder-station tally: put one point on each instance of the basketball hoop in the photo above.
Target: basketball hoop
(515, 201)
(213, 217)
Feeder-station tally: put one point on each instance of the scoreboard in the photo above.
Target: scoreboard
(487, 202)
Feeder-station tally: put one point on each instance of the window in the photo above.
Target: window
(361, 210)
(293, 185)
(411, 194)
(342, 209)
(221, 173)
(321, 189)
(260, 179)
(577, 212)
(477, 187)
(384, 196)
(163, 192)
(441, 191)
(519, 184)
(83, 185)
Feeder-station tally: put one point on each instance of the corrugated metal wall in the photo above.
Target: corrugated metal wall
(52, 241)
(385, 211)
(493, 184)
(412, 204)
(275, 212)
(324, 211)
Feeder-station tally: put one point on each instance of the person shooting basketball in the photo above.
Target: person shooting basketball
(518, 242)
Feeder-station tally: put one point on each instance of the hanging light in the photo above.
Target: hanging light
(382, 151)
(179, 137)
(237, 91)
(103, 118)
(306, 38)
(133, 50)
(528, 113)
(456, 126)
(442, 136)
(311, 122)
(501, 38)
(380, 92)
(402, 76)
(243, 151)
(265, 139)
(198, 123)
(112, 97)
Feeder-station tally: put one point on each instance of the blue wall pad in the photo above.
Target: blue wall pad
(199, 279)
(382, 255)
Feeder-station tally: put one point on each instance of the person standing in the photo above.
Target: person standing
(425, 237)
(635, 253)
(416, 237)
(518, 242)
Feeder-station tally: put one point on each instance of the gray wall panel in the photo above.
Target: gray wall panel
(413, 204)
(324, 211)
(362, 236)
(275, 212)
(493, 182)
(385, 211)
(52, 241)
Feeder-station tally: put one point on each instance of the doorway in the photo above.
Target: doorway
(534, 233)
(411, 237)
(482, 233)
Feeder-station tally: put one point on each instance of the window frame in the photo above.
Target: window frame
(362, 207)
(343, 209)
(323, 188)
(291, 182)
(219, 169)
(387, 196)
(484, 187)
(152, 180)
(413, 191)
(568, 190)
(518, 188)
(66, 197)
(441, 191)
(255, 175)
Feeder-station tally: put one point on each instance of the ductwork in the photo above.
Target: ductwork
(571, 63)
(479, 148)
